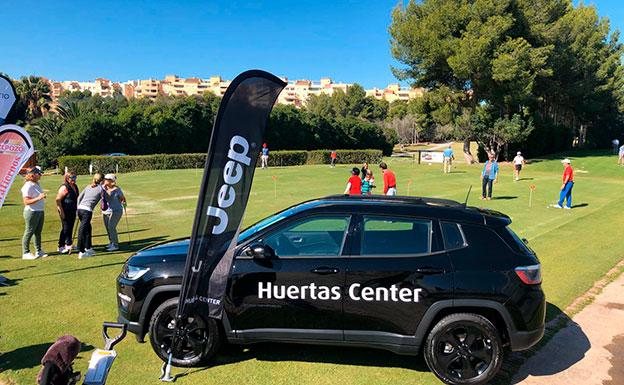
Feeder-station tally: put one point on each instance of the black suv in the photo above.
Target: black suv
(403, 274)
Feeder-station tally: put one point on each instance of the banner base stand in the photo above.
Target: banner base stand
(165, 371)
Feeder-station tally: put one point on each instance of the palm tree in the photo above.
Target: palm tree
(34, 92)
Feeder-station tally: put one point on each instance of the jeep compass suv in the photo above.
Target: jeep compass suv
(404, 274)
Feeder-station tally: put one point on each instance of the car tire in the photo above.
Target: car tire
(202, 345)
(464, 349)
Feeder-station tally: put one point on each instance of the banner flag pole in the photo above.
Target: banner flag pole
(235, 142)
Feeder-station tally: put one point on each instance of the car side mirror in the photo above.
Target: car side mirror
(526, 241)
(260, 252)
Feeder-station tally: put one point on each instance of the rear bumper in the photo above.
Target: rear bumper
(524, 340)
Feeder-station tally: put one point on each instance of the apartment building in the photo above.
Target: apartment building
(396, 92)
(295, 93)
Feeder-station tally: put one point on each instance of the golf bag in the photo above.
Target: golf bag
(57, 363)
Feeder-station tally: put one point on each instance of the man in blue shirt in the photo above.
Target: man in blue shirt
(489, 175)
(265, 155)
(448, 159)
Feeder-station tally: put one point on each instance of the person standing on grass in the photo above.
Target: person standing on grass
(621, 156)
(566, 188)
(489, 176)
(112, 215)
(354, 184)
(364, 170)
(368, 183)
(66, 205)
(332, 157)
(448, 158)
(518, 164)
(87, 200)
(389, 180)
(264, 155)
(34, 205)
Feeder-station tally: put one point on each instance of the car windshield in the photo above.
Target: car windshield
(268, 221)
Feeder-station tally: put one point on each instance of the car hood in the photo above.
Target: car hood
(170, 251)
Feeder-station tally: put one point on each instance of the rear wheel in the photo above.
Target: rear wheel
(464, 349)
(203, 338)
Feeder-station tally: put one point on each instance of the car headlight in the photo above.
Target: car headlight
(134, 272)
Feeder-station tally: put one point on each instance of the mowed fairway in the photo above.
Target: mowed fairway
(63, 295)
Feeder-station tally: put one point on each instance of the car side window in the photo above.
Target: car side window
(392, 235)
(313, 236)
(453, 236)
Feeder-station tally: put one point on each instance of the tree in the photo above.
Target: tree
(34, 92)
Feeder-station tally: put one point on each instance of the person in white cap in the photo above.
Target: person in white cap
(566, 187)
(116, 202)
(518, 164)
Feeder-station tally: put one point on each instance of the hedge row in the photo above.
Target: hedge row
(129, 163)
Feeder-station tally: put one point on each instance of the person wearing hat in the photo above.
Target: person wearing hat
(34, 205)
(566, 187)
(354, 184)
(518, 164)
(66, 205)
(112, 215)
(264, 155)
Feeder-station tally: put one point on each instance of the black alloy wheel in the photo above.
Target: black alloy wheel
(200, 344)
(464, 349)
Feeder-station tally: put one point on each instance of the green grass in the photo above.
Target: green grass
(63, 295)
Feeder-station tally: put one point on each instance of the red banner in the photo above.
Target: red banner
(15, 149)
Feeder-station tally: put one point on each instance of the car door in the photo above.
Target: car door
(297, 293)
(397, 270)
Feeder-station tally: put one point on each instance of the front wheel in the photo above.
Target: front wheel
(203, 338)
(464, 349)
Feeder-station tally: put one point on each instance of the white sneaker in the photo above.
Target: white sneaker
(64, 249)
(557, 206)
(41, 254)
(112, 247)
(567, 208)
(90, 251)
(29, 256)
(82, 255)
(69, 249)
(61, 249)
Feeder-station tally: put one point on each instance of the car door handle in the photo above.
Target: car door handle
(325, 270)
(430, 270)
(297, 240)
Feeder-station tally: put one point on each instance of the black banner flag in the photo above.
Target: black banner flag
(235, 144)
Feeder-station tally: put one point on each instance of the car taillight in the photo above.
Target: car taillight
(530, 275)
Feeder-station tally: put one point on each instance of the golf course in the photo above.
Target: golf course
(60, 294)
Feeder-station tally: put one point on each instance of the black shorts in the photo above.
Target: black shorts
(518, 167)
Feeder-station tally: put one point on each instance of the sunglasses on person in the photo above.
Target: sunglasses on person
(73, 177)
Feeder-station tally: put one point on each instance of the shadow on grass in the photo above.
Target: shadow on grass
(521, 179)
(8, 239)
(323, 354)
(564, 340)
(457, 172)
(21, 268)
(5, 256)
(504, 198)
(28, 356)
(580, 205)
(136, 245)
(120, 233)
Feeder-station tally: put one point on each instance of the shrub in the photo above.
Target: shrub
(129, 163)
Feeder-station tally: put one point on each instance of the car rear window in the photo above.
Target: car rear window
(514, 241)
(453, 236)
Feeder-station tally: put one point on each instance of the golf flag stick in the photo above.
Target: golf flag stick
(127, 225)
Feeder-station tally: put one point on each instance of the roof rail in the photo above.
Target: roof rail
(397, 198)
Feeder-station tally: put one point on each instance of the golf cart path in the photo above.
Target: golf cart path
(588, 351)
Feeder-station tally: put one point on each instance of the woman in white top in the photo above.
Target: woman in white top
(518, 163)
(34, 205)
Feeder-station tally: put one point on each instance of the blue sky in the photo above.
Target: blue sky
(122, 40)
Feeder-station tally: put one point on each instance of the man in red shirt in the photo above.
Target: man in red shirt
(389, 180)
(332, 155)
(354, 185)
(566, 187)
